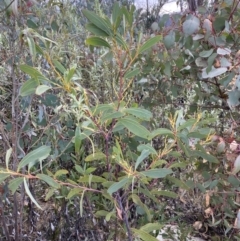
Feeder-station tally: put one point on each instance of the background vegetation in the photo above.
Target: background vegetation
(115, 121)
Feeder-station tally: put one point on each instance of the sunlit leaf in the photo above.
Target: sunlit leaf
(60, 173)
(8, 155)
(42, 89)
(97, 156)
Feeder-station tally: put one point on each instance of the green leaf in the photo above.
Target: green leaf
(29, 193)
(29, 87)
(117, 185)
(179, 165)
(191, 25)
(134, 127)
(101, 213)
(204, 155)
(95, 157)
(150, 43)
(162, 131)
(77, 140)
(98, 42)
(79, 169)
(110, 116)
(103, 108)
(116, 12)
(143, 235)
(144, 207)
(94, 178)
(165, 193)
(233, 98)
(219, 24)
(144, 154)
(157, 173)
(81, 204)
(187, 124)
(50, 181)
(38, 154)
(34, 73)
(97, 21)
(132, 73)
(206, 53)
(42, 89)
(32, 48)
(59, 66)
(3, 176)
(121, 42)
(60, 173)
(147, 147)
(8, 155)
(138, 112)
(74, 192)
(149, 227)
(96, 31)
(15, 183)
(169, 40)
(178, 182)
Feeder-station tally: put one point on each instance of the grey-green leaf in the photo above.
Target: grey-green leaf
(117, 185)
(150, 43)
(157, 173)
(39, 153)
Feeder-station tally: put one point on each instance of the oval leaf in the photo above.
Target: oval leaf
(42, 89)
(140, 113)
(134, 127)
(191, 25)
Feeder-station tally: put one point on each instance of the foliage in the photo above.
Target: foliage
(94, 120)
